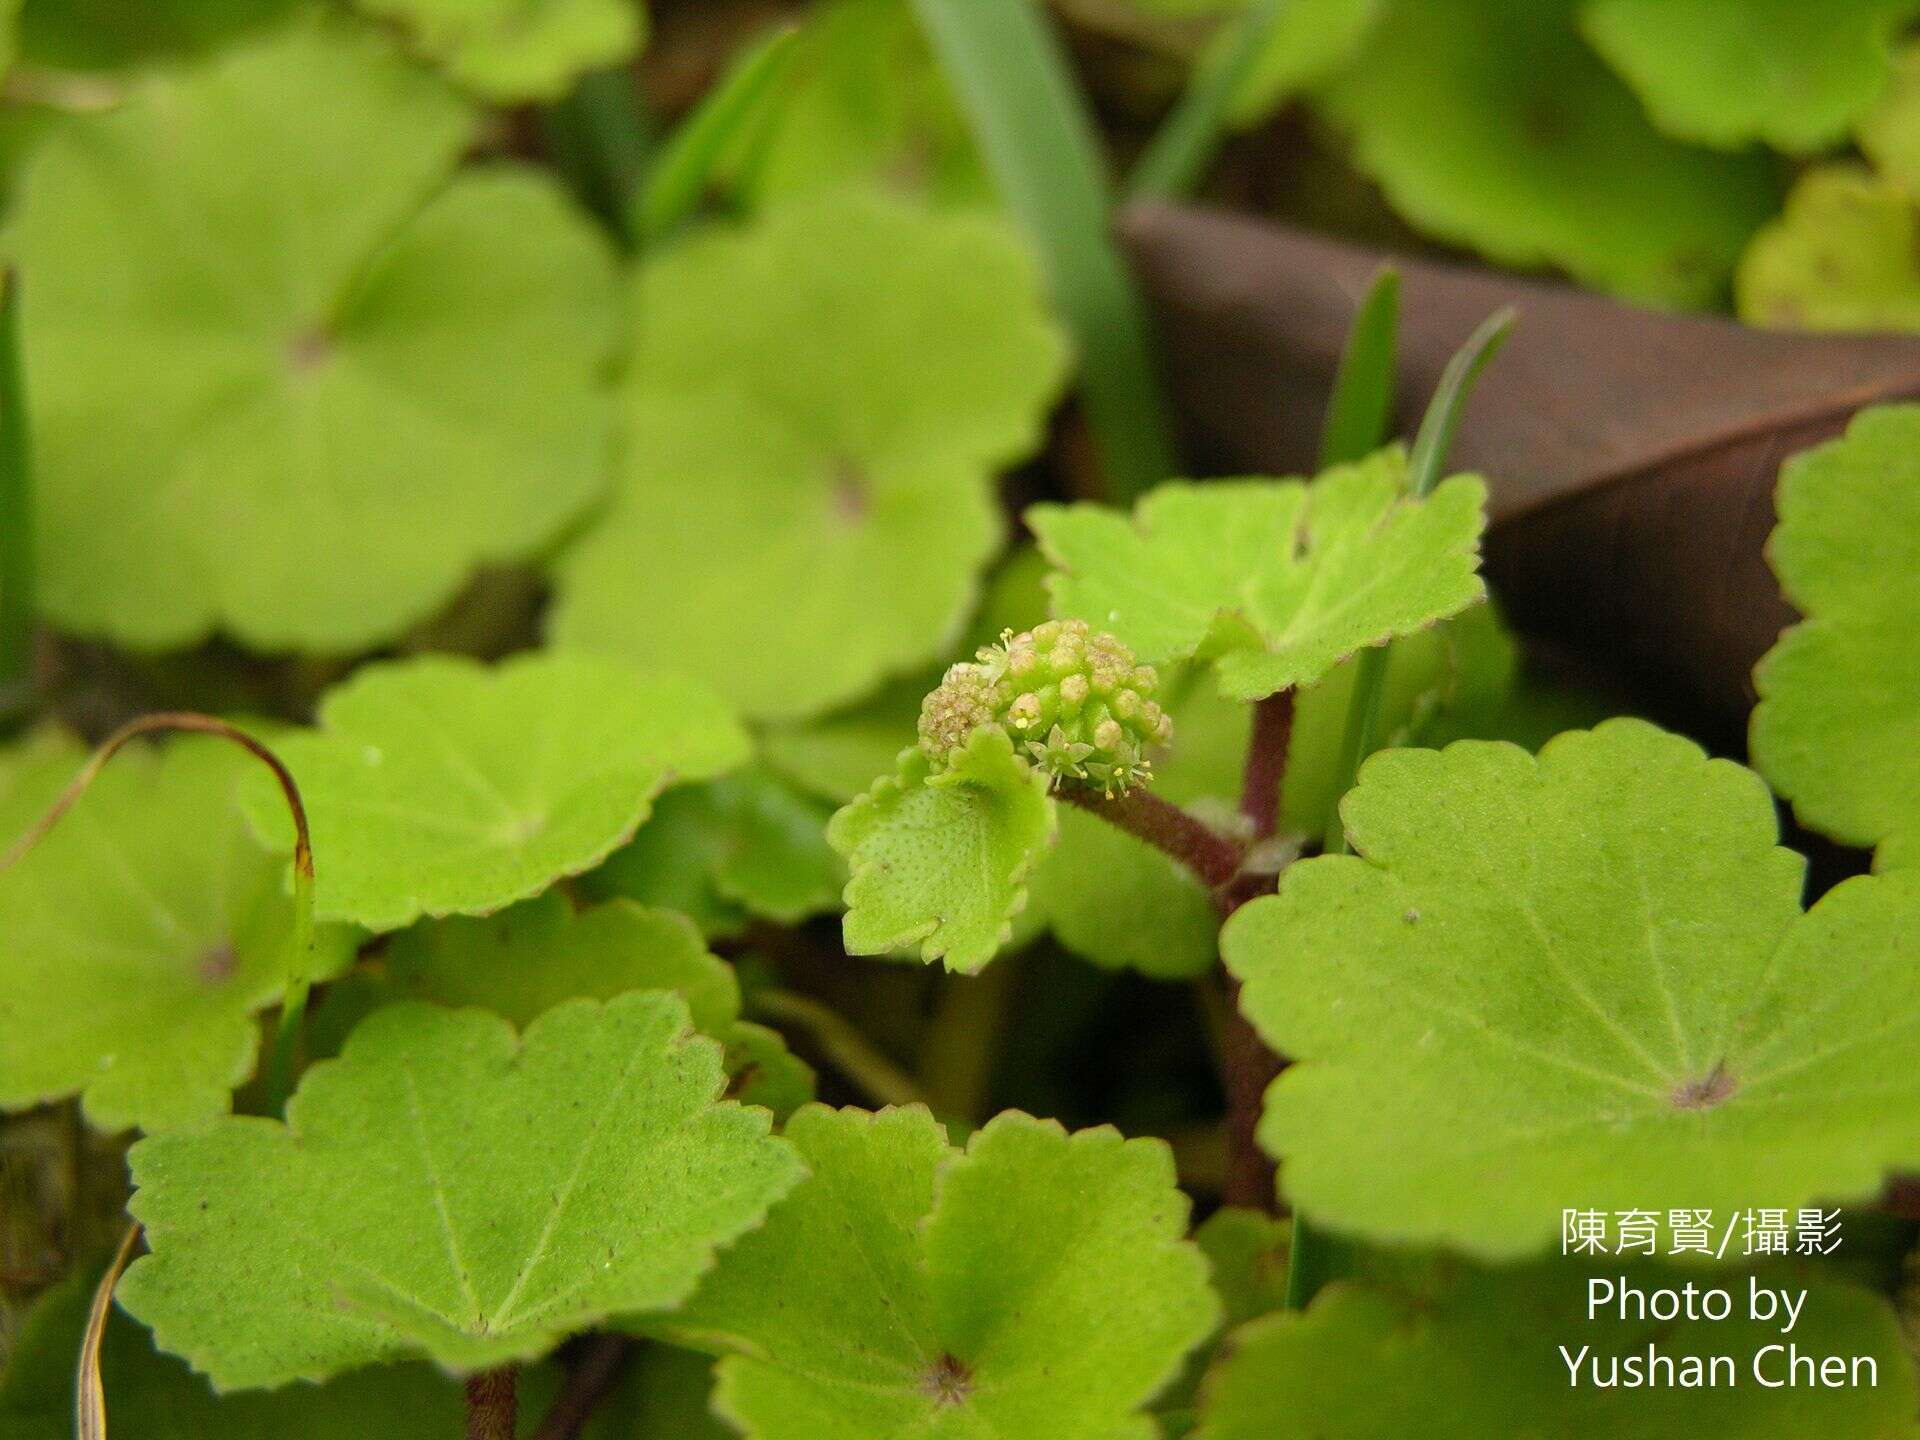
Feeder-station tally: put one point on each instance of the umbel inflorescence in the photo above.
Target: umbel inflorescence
(1075, 702)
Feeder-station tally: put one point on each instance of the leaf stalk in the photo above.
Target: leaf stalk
(1267, 763)
(596, 1371)
(493, 1404)
(1212, 857)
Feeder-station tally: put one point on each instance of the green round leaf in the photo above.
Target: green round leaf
(514, 50)
(142, 936)
(1839, 715)
(1729, 72)
(1490, 124)
(269, 336)
(1035, 1284)
(439, 787)
(525, 960)
(1582, 980)
(1842, 256)
(1450, 1352)
(940, 861)
(1279, 579)
(1311, 41)
(817, 408)
(445, 1189)
(762, 1071)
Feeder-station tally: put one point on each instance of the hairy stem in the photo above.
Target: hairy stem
(1212, 857)
(493, 1404)
(844, 1047)
(595, 1373)
(1248, 1067)
(1267, 763)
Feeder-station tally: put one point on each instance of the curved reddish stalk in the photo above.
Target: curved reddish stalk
(300, 946)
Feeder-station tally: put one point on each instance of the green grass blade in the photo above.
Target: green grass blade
(1361, 408)
(1437, 429)
(1031, 123)
(739, 106)
(16, 518)
(1442, 420)
(1366, 371)
(1187, 141)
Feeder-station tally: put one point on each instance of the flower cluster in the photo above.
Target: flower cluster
(1076, 702)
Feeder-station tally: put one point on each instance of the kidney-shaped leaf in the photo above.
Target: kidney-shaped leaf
(444, 1189)
(817, 409)
(1841, 256)
(1729, 72)
(525, 960)
(1036, 1284)
(140, 937)
(940, 861)
(1578, 981)
(865, 103)
(1491, 123)
(1889, 133)
(439, 787)
(1279, 578)
(293, 378)
(1837, 730)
